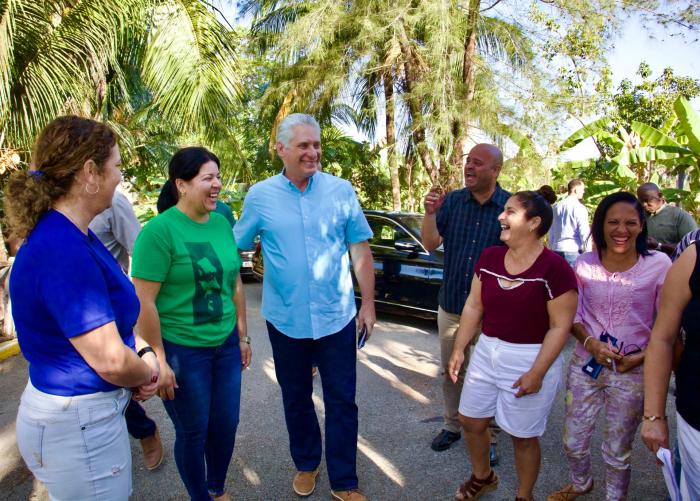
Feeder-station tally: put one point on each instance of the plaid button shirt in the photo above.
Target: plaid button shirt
(467, 228)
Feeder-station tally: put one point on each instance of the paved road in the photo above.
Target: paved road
(400, 406)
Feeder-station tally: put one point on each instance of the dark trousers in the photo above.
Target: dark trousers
(138, 423)
(205, 413)
(335, 356)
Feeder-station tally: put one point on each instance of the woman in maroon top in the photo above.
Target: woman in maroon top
(523, 299)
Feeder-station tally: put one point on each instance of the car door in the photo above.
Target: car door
(402, 266)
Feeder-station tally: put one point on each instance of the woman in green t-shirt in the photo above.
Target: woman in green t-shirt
(186, 272)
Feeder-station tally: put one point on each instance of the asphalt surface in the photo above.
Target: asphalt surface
(400, 404)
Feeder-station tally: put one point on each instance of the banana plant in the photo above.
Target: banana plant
(643, 153)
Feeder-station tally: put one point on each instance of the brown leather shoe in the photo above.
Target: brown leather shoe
(568, 493)
(304, 482)
(224, 497)
(152, 451)
(351, 495)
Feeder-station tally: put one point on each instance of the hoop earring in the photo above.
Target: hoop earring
(90, 192)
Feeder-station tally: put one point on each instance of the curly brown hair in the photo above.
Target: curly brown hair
(60, 152)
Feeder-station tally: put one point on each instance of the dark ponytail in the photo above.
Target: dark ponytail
(548, 193)
(168, 196)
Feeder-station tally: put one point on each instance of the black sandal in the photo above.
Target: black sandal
(475, 487)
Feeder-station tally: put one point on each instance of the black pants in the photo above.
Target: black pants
(137, 422)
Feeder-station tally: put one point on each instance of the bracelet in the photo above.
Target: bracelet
(654, 418)
(585, 341)
(244, 339)
(146, 349)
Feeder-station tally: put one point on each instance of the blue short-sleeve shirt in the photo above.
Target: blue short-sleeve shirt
(307, 290)
(64, 284)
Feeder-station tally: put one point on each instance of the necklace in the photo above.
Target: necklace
(67, 216)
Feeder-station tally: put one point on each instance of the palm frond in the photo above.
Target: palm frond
(190, 65)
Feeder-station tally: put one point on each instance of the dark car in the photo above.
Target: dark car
(407, 276)
(246, 264)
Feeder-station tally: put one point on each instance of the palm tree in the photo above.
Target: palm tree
(111, 59)
(424, 58)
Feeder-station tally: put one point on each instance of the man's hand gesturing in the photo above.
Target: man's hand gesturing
(433, 200)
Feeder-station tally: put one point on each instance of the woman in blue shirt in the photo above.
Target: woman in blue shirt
(74, 311)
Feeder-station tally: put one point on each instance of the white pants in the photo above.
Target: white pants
(77, 446)
(689, 446)
(494, 367)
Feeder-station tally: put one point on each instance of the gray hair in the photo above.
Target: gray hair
(285, 128)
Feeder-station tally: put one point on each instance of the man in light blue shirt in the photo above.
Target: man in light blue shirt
(569, 234)
(307, 221)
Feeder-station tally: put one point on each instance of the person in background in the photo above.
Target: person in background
(308, 223)
(117, 228)
(680, 307)
(569, 234)
(74, 310)
(225, 211)
(523, 299)
(186, 272)
(619, 287)
(666, 224)
(464, 222)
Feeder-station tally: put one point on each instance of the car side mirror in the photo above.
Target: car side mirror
(410, 247)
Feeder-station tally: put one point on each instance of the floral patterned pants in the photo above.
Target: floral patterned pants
(621, 397)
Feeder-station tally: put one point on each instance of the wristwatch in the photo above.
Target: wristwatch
(244, 339)
(654, 418)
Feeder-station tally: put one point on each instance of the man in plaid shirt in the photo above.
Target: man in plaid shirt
(465, 222)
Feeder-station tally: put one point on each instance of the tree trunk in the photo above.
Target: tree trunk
(391, 141)
(3, 248)
(461, 128)
(680, 180)
(411, 67)
(409, 183)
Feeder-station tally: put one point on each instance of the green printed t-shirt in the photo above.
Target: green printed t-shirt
(197, 265)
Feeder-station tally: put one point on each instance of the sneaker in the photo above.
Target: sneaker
(493, 455)
(304, 482)
(475, 487)
(444, 440)
(351, 495)
(568, 493)
(152, 451)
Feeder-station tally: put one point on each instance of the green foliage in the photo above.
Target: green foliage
(651, 101)
(163, 73)
(643, 154)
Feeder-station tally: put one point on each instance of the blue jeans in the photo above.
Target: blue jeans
(569, 256)
(205, 412)
(138, 423)
(335, 356)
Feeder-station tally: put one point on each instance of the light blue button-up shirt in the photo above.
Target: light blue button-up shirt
(570, 229)
(307, 290)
